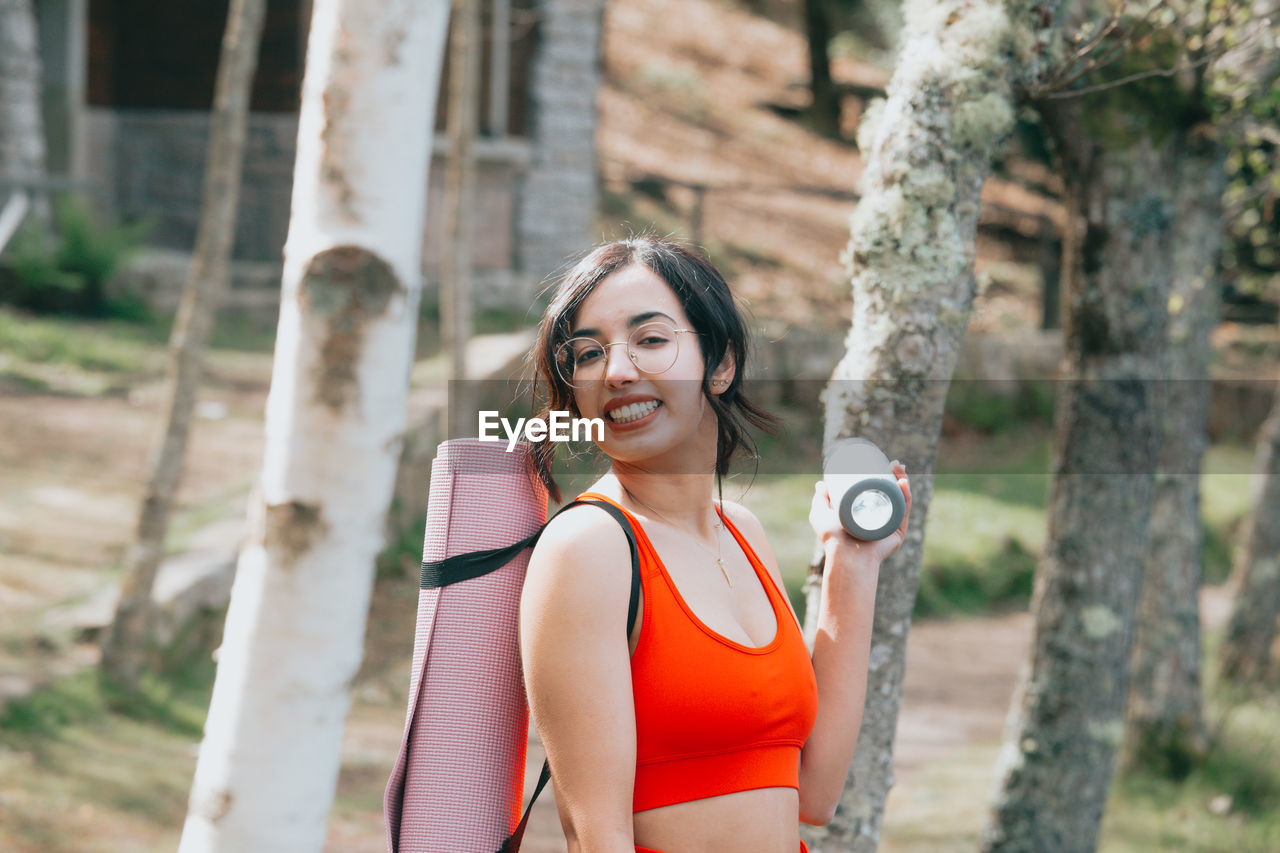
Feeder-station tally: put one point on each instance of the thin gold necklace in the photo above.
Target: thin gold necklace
(719, 555)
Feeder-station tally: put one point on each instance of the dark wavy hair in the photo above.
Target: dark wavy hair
(706, 300)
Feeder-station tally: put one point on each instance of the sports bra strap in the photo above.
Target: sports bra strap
(462, 567)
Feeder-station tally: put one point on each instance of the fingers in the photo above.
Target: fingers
(900, 471)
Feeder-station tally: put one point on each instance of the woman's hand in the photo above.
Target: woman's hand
(826, 522)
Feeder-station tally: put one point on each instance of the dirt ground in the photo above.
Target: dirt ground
(71, 470)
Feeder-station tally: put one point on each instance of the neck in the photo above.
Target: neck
(662, 487)
(682, 500)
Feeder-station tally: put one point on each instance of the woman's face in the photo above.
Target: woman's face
(682, 423)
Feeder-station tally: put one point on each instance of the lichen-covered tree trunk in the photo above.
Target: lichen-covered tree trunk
(1165, 728)
(929, 146)
(1245, 655)
(125, 649)
(22, 144)
(268, 765)
(1067, 719)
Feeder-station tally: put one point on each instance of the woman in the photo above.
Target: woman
(709, 729)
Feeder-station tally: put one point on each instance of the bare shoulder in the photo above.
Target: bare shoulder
(582, 530)
(745, 520)
(750, 527)
(582, 557)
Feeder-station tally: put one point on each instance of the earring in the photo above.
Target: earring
(719, 382)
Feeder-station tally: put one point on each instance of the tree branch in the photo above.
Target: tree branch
(1155, 72)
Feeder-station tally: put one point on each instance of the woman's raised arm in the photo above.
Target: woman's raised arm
(577, 669)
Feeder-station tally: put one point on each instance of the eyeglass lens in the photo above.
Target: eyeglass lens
(652, 348)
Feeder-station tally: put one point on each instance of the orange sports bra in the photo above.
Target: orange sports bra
(713, 716)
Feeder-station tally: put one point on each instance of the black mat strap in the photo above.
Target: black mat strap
(512, 844)
(474, 564)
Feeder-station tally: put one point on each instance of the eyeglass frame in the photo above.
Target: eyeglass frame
(630, 354)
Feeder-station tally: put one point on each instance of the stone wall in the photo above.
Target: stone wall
(559, 197)
(150, 163)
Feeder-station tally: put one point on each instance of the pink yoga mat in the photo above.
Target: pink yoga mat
(458, 783)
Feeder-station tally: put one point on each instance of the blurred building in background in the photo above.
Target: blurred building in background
(128, 87)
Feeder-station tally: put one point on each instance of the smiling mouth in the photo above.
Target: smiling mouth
(633, 412)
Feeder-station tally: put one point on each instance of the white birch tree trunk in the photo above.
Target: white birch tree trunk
(929, 146)
(268, 766)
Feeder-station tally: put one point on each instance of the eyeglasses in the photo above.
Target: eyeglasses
(652, 348)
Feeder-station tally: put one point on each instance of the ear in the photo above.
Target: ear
(723, 375)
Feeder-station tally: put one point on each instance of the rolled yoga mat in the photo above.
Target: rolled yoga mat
(458, 783)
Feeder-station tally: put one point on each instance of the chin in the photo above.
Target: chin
(633, 451)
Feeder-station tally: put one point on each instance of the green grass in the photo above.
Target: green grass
(49, 353)
(1230, 800)
(82, 769)
(79, 740)
(977, 405)
(986, 526)
(52, 354)
(106, 345)
(1226, 495)
(236, 331)
(175, 703)
(128, 346)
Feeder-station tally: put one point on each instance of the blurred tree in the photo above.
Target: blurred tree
(466, 48)
(1245, 655)
(868, 29)
(824, 110)
(1165, 729)
(22, 144)
(960, 75)
(1056, 765)
(1129, 121)
(126, 644)
(336, 415)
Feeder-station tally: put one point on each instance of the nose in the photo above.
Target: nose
(618, 367)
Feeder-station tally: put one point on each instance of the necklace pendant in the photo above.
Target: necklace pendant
(724, 571)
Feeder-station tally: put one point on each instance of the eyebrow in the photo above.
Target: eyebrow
(631, 324)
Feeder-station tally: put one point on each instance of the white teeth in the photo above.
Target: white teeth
(624, 414)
